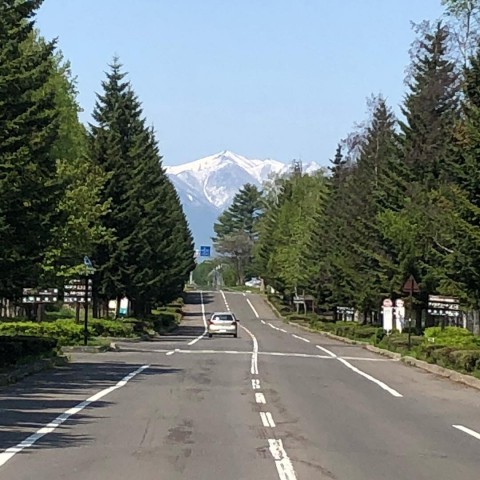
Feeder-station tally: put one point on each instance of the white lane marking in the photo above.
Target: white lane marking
(254, 363)
(282, 462)
(254, 366)
(302, 355)
(193, 342)
(231, 352)
(390, 390)
(50, 427)
(468, 431)
(253, 308)
(282, 330)
(267, 419)
(300, 338)
(328, 352)
(171, 352)
(255, 384)
(360, 372)
(273, 326)
(263, 321)
(260, 398)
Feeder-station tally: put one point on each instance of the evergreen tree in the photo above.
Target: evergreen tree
(29, 191)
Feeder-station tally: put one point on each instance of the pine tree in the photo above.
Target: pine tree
(29, 191)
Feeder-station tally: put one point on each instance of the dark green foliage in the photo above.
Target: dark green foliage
(151, 254)
(29, 191)
(16, 348)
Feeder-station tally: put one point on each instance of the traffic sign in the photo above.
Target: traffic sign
(205, 251)
(411, 285)
(387, 303)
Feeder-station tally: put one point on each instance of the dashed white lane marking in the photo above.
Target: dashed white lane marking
(382, 385)
(282, 330)
(193, 342)
(260, 398)
(468, 431)
(252, 307)
(263, 321)
(54, 424)
(267, 419)
(282, 462)
(300, 338)
(171, 352)
(255, 384)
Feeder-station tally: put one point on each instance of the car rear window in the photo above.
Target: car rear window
(223, 317)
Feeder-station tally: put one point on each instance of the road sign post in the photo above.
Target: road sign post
(89, 271)
(410, 287)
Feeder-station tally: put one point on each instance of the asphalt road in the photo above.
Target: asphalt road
(275, 403)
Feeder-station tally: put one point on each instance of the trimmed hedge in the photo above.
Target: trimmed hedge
(66, 331)
(15, 348)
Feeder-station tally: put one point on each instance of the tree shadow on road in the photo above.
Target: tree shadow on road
(38, 400)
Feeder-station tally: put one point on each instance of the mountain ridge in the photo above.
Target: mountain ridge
(206, 186)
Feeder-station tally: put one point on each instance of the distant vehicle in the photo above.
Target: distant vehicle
(222, 323)
(254, 282)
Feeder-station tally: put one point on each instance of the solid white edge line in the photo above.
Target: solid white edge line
(328, 352)
(385, 387)
(6, 455)
(253, 308)
(282, 462)
(260, 398)
(193, 342)
(468, 431)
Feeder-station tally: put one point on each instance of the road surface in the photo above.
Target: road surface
(276, 403)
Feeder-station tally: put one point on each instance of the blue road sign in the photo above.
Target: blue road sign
(205, 251)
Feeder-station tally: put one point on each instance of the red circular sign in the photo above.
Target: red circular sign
(387, 303)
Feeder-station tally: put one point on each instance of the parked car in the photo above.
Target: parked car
(222, 323)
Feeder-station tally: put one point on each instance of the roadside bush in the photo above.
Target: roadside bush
(15, 348)
(166, 321)
(111, 328)
(452, 336)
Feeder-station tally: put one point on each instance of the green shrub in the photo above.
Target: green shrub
(452, 336)
(15, 348)
(111, 328)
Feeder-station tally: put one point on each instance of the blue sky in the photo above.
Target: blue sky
(276, 79)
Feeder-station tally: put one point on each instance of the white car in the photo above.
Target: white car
(222, 323)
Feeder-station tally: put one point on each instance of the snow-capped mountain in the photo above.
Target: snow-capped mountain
(207, 186)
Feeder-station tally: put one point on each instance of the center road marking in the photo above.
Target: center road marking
(300, 338)
(254, 364)
(267, 419)
(54, 424)
(260, 398)
(193, 342)
(255, 384)
(468, 431)
(385, 387)
(282, 462)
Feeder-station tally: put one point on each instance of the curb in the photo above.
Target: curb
(26, 370)
(86, 349)
(407, 360)
(443, 372)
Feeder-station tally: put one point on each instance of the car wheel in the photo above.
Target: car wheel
(235, 335)
(210, 335)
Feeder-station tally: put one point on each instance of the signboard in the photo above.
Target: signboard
(443, 306)
(346, 313)
(399, 314)
(39, 295)
(88, 264)
(74, 291)
(205, 251)
(387, 311)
